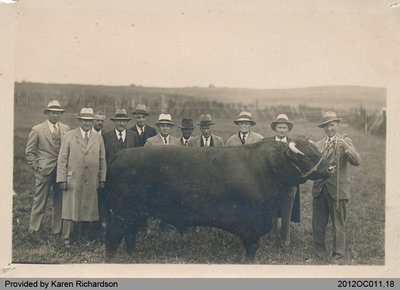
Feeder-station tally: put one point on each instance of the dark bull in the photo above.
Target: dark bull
(231, 188)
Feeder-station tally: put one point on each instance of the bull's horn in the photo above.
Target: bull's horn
(292, 147)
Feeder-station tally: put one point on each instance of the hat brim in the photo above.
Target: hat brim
(166, 123)
(329, 121)
(244, 120)
(53, 110)
(121, 119)
(186, 127)
(206, 124)
(140, 113)
(274, 123)
(85, 118)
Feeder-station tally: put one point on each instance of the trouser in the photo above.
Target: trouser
(286, 205)
(42, 189)
(73, 230)
(324, 206)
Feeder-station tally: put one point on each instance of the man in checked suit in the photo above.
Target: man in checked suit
(206, 138)
(41, 153)
(144, 131)
(332, 194)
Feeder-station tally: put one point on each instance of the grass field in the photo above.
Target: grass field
(365, 219)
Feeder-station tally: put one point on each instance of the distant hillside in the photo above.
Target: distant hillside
(335, 97)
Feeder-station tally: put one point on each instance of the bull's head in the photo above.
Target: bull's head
(307, 160)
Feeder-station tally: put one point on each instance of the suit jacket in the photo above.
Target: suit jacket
(41, 151)
(158, 140)
(148, 132)
(338, 156)
(215, 141)
(252, 137)
(113, 146)
(82, 166)
(190, 143)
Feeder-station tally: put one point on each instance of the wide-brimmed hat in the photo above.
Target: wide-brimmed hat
(86, 114)
(54, 106)
(141, 109)
(328, 117)
(206, 120)
(245, 117)
(99, 115)
(187, 124)
(282, 118)
(120, 115)
(165, 119)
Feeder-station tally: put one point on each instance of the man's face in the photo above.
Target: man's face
(120, 125)
(164, 129)
(281, 130)
(140, 120)
(244, 126)
(98, 124)
(53, 116)
(187, 132)
(86, 125)
(330, 128)
(205, 131)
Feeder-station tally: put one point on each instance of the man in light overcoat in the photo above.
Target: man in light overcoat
(41, 153)
(244, 135)
(332, 194)
(81, 171)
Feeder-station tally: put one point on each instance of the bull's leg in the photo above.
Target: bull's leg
(131, 231)
(286, 213)
(251, 245)
(113, 236)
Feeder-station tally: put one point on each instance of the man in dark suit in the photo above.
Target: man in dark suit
(119, 138)
(41, 153)
(332, 194)
(289, 203)
(187, 130)
(206, 138)
(144, 131)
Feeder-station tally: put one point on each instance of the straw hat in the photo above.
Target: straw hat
(206, 120)
(245, 117)
(86, 114)
(99, 115)
(165, 119)
(141, 109)
(54, 106)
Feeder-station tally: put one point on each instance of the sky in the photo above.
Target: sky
(251, 44)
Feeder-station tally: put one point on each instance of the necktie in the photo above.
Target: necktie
(186, 142)
(55, 131)
(120, 136)
(165, 140)
(243, 138)
(86, 137)
(141, 131)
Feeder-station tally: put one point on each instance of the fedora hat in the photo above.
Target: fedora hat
(141, 109)
(187, 124)
(328, 117)
(245, 117)
(282, 118)
(54, 106)
(165, 119)
(206, 120)
(120, 115)
(86, 114)
(99, 115)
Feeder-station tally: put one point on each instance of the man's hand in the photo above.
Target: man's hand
(343, 144)
(102, 184)
(62, 185)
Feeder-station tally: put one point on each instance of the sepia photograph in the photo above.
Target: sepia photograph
(202, 134)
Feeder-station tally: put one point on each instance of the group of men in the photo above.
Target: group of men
(74, 164)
